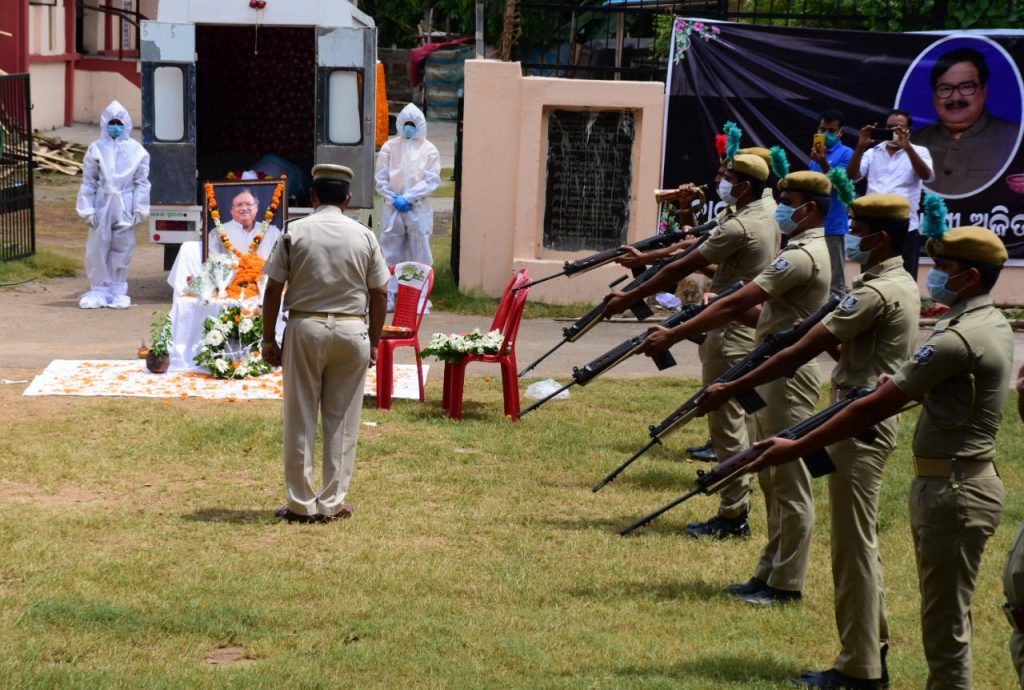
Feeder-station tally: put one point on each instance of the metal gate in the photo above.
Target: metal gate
(17, 211)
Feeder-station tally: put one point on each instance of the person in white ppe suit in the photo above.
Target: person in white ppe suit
(408, 172)
(113, 200)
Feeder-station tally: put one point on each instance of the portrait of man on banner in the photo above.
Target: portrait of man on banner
(966, 92)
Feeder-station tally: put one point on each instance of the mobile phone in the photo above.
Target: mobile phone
(883, 134)
(819, 139)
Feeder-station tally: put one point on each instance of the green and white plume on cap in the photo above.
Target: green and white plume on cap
(780, 161)
(934, 222)
(733, 134)
(842, 186)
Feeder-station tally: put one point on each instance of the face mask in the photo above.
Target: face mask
(936, 283)
(831, 139)
(853, 250)
(784, 217)
(725, 192)
(115, 130)
(409, 131)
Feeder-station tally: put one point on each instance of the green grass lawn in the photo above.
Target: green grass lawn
(42, 265)
(138, 543)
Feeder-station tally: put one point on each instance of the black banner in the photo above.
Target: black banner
(774, 82)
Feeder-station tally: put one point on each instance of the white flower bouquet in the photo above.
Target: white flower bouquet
(230, 346)
(452, 348)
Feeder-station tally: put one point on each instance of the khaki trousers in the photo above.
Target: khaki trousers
(787, 488)
(325, 363)
(951, 519)
(853, 489)
(729, 435)
(1013, 588)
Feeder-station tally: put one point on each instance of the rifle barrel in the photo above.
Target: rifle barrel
(610, 477)
(538, 281)
(537, 404)
(543, 357)
(650, 517)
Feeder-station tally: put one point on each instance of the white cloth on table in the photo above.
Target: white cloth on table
(187, 317)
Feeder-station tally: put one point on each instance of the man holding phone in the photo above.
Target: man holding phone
(830, 152)
(895, 166)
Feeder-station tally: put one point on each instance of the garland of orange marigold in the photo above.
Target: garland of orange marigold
(250, 264)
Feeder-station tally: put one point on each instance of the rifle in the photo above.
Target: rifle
(818, 463)
(589, 263)
(640, 309)
(584, 375)
(750, 400)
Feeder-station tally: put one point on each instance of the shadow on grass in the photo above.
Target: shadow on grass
(668, 590)
(237, 517)
(719, 668)
(609, 524)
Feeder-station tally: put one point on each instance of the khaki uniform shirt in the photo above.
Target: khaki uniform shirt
(742, 246)
(797, 282)
(962, 374)
(329, 263)
(876, 323)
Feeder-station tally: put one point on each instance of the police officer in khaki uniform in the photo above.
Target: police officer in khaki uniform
(1013, 575)
(792, 287)
(876, 327)
(334, 271)
(741, 246)
(960, 376)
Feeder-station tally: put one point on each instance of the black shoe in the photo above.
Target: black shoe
(885, 668)
(705, 453)
(284, 513)
(754, 584)
(835, 680)
(720, 527)
(769, 596)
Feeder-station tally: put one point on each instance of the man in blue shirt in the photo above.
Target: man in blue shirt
(833, 154)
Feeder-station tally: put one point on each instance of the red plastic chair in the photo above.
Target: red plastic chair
(507, 320)
(415, 283)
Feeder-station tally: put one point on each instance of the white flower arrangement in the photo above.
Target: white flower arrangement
(230, 352)
(452, 348)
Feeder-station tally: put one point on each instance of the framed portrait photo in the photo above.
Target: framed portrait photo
(242, 217)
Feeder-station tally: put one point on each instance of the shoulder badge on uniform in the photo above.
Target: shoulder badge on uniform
(781, 264)
(925, 354)
(849, 303)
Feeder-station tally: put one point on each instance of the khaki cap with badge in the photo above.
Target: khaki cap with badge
(748, 164)
(330, 171)
(806, 181)
(970, 243)
(759, 151)
(880, 207)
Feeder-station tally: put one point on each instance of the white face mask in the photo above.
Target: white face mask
(725, 192)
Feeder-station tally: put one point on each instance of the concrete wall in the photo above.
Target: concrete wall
(503, 175)
(95, 90)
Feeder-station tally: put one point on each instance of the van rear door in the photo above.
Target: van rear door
(168, 57)
(346, 88)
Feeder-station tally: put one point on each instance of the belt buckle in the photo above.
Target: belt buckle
(331, 322)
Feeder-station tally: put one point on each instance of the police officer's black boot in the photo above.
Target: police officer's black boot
(720, 527)
(705, 453)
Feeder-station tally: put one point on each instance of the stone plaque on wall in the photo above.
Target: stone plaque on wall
(589, 178)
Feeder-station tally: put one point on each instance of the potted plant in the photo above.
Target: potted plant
(159, 357)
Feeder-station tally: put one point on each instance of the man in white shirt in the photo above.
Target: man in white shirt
(898, 167)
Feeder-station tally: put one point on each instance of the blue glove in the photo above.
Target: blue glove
(402, 204)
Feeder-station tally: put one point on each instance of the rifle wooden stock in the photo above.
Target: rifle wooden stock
(708, 482)
(749, 400)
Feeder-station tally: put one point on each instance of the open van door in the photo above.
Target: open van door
(345, 102)
(168, 57)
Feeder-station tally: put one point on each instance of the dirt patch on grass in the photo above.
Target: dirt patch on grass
(18, 492)
(231, 655)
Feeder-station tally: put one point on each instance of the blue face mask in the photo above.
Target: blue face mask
(408, 131)
(784, 217)
(936, 283)
(831, 139)
(853, 250)
(115, 131)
